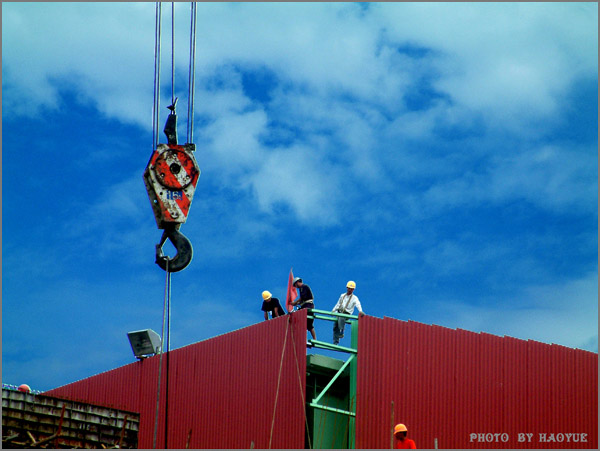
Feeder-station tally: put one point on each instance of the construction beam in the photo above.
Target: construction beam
(331, 409)
(331, 347)
(335, 314)
(326, 318)
(333, 379)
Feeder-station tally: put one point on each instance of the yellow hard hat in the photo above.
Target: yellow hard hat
(266, 295)
(351, 284)
(400, 428)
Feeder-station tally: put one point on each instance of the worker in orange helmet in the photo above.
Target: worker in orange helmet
(402, 442)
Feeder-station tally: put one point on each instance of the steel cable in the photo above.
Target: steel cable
(191, 74)
(172, 53)
(157, 58)
(162, 347)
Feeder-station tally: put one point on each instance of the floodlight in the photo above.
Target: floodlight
(144, 342)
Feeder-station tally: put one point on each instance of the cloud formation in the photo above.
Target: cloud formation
(346, 78)
(444, 156)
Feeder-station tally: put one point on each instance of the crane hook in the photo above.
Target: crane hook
(183, 246)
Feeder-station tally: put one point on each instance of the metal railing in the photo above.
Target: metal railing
(333, 316)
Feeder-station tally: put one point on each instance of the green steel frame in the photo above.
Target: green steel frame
(351, 363)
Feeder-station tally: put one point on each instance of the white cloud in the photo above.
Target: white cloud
(47, 46)
(562, 313)
(342, 83)
(554, 177)
(300, 178)
(508, 61)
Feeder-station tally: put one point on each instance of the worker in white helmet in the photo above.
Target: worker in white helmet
(271, 305)
(345, 304)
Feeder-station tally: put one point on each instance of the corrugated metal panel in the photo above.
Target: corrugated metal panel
(443, 384)
(449, 384)
(222, 392)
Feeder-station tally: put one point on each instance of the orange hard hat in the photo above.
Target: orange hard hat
(400, 428)
(24, 388)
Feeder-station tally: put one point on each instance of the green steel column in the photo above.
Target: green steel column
(352, 397)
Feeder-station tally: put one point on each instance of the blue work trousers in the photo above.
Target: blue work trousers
(338, 329)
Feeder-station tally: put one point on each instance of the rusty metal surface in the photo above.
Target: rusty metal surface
(223, 392)
(39, 421)
(448, 384)
(171, 177)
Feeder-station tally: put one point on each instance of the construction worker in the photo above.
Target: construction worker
(306, 300)
(402, 442)
(345, 304)
(272, 305)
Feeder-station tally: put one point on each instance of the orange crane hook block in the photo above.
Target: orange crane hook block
(170, 178)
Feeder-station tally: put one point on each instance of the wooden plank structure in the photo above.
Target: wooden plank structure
(39, 421)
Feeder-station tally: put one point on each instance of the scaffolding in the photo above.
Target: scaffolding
(349, 365)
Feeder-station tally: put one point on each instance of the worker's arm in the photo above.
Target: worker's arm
(338, 304)
(358, 306)
(266, 316)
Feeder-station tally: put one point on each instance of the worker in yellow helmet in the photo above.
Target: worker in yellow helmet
(402, 442)
(272, 305)
(345, 304)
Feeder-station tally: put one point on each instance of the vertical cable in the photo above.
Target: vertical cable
(192, 73)
(168, 303)
(159, 72)
(157, 61)
(162, 347)
(154, 85)
(172, 53)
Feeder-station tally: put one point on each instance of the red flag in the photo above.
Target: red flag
(292, 293)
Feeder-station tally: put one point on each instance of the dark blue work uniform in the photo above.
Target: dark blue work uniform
(272, 305)
(305, 296)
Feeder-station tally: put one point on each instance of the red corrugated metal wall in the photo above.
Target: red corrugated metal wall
(222, 392)
(449, 384)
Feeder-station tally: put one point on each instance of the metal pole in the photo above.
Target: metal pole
(392, 428)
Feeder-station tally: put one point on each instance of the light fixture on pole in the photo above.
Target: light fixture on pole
(144, 343)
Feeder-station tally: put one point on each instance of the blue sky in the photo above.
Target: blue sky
(443, 156)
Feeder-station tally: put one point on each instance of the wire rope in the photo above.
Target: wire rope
(168, 332)
(162, 347)
(155, 118)
(191, 73)
(157, 58)
(166, 325)
(172, 53)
